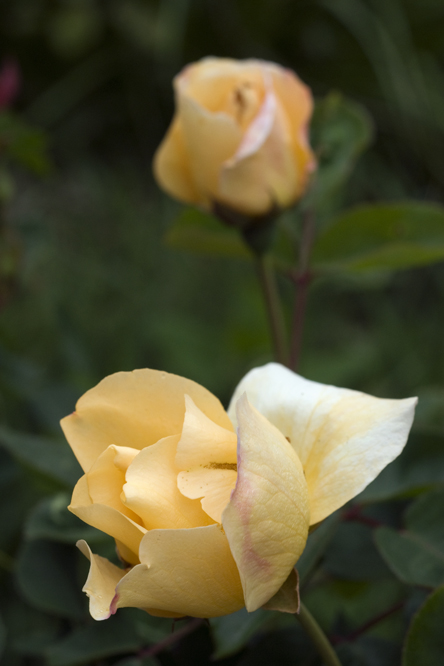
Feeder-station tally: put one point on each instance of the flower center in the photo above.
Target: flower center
(215, 465)
(245, 102)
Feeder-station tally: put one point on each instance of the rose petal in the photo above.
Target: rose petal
(214, 486)
(126, 556)
(151, 489)
(134, 409)
(107, 519)
(213, 81)
(207, 454)
(297, 102)
(343, 438)
(210, 139)
(191, 571)
(171, 166)
(101, 583)
(107, 476)
(263, 172)
(203, 441)
(267, 519)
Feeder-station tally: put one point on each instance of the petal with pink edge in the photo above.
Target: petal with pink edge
(101, 583)
(267, 518)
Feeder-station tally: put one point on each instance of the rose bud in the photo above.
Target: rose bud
(238, 141)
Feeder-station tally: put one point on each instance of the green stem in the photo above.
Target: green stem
(317, 637)
(267, 278)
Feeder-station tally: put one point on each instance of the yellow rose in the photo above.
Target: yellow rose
(238, 138)
(207, 521)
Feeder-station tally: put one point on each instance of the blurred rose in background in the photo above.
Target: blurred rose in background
(238, 137)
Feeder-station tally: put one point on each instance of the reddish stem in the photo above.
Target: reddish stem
(191, 626)
(354, 514)
(367, 625)
(302, 281)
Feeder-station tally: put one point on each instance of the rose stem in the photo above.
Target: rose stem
(302, 281)
(190, 626)
(267, 278)
(368, 625)
(317, 636)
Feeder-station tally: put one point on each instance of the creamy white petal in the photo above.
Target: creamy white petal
(343, 438)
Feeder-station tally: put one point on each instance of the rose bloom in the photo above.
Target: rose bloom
(211, 510)
(238, 137)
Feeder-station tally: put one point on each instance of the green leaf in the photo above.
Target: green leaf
(24, 144)
(413, 560)
(52, 521)
(369, 651)
(416, 555)
(351, 603)
(46, 573)
(196, 231)
(21, 497)
(340, 131)
(29, 631)
(232, 632)
(53, 458)
(426, 517)
(382, 237)
(86, 645)
(352, 554)
(424, 645)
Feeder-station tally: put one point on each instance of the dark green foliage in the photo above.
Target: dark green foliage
(425, 639)
(49, 457)
(96, 641)
(340, 131)
(88, 287)
(196, 231)
(382, 237)
(47, 580)
(416, 555)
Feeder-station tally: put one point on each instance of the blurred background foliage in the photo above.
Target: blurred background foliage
(88, 287)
